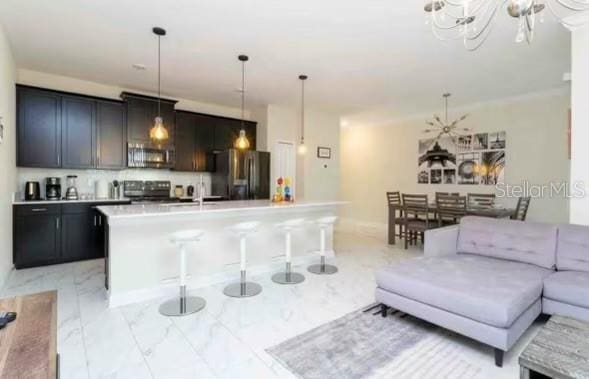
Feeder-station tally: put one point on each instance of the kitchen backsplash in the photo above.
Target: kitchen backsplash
(87, 178)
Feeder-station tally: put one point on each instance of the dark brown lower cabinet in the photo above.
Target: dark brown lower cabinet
(57, 233)
(37, 235)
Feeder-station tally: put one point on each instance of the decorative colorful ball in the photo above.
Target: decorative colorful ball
(280, 181)
(287, 181)
(287, 190)
(278, 189)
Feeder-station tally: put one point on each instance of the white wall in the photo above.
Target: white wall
(316, 179)
(376, 159)
(7, 153)
(580, 122)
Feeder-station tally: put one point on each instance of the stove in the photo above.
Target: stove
(148, 191)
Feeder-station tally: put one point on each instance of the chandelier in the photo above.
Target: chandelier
(446, 128)
(473, 20)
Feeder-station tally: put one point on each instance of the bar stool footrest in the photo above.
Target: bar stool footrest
(246, 289)
(173, 307)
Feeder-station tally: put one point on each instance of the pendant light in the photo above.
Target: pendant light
(242, 142)
(158, 133)
(302, 147)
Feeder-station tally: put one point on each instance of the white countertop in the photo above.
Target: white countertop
(63, 201)
(154, 210)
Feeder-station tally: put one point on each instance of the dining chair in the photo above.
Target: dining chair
(416, 215)
(446, 194)
(521, 210)
(450, 209)
(396, 214)
(481, 200)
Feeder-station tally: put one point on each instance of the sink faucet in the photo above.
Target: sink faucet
(201, 191)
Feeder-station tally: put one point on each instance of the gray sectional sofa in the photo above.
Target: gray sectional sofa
(490, 279)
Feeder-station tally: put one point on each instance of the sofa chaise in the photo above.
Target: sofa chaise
(566, 292)
(485, 278)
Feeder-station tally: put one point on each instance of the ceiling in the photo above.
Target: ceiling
(359, 55)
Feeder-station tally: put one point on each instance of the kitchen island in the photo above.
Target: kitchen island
(142, 264)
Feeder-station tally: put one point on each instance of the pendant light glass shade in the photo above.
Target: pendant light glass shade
(158, 132)
(242, 143)
(302, 148)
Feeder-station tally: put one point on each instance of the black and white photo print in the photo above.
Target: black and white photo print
(468, 164)
(449, 176)
(497, 140)
(492, 167)
(435, 176)
(473, 159)
(481, 141)
(423, 177)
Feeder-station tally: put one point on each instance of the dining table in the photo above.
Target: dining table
(492, 212)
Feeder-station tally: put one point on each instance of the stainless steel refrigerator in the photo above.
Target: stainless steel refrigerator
(241, 175)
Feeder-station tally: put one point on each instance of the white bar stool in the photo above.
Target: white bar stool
(289, 277)
(183, 305)
(243, 288)
(323, 269)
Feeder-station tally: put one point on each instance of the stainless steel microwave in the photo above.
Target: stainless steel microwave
(150, 156)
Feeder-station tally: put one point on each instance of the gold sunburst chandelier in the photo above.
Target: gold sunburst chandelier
(446, 128)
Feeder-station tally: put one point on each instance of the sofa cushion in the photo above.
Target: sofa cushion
(492, 291)
(526, 242)
(572, 250)
(571, 287)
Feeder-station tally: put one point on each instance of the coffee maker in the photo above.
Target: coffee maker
(53, 188)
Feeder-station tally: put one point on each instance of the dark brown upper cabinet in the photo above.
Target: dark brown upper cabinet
(205, 142)
(39, 128)
(185, 141)
(141, 113)
(78, 132)
(199, 136)
(63, 130)
(112, 135)
(227, 131)
(194, 142)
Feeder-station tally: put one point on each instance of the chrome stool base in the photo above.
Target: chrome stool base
(288, 278)
(322, 269)
(182, 307)
(246, 289)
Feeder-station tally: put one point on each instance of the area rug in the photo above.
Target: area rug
(354, 346)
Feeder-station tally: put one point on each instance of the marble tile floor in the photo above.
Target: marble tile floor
(226, 340)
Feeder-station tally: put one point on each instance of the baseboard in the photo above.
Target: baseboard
(370, 229)
(4, 277)
(169, 287)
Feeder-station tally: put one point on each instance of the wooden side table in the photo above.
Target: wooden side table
(559, 350)
(28, 345)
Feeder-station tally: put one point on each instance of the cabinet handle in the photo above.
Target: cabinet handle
(58, 160)
(57, 223)
(39, 210)
(94, 220)
(99, 220)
